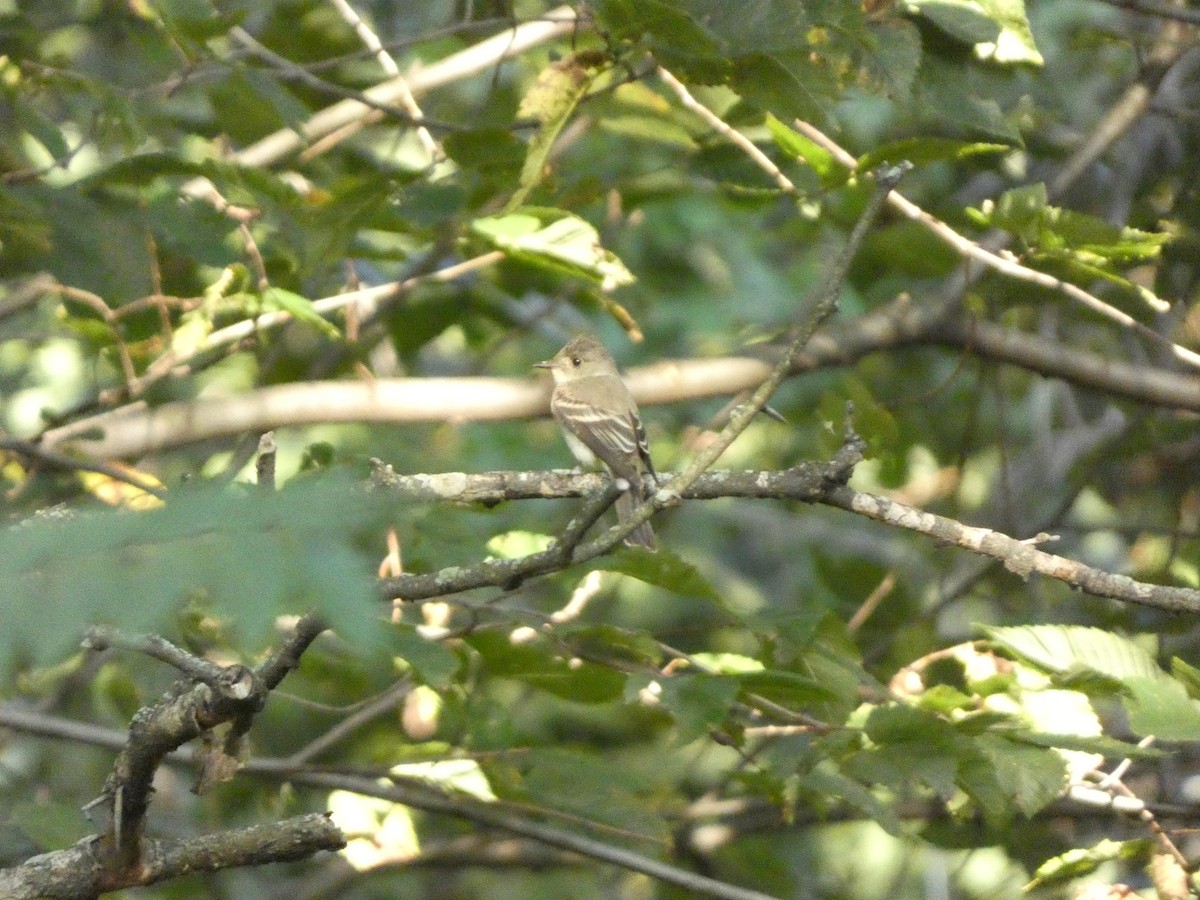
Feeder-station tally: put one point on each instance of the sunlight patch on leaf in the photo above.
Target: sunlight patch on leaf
(555, 240)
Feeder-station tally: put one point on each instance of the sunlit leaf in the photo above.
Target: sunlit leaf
(555, 240)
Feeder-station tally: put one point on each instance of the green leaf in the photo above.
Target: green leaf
(897, 723)
(1094, 246)
(964, 20)
(1105, 746)
(788, 688)
(551, 101)
(1187, 675)
(596, 786)
(42, 129)
(902, 767)
(538, 666)
(699, 703)
(672, 30)
(254, 555)
(1005, 777)
(1014, 44)
(486, 149)
(826, 781)
(797, 146)
(52, 826)
(663, 569)
(1160, 706)
(792, 84)
(946, 94)
(1081, 861)
(555, 240)
(300, 308)
(1157, 704)
(434, 664)
(894, 57)
(926, 150)
(1063, 648)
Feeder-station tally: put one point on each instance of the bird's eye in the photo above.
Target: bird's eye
(576, 361)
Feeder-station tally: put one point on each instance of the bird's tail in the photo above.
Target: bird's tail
(643, 535)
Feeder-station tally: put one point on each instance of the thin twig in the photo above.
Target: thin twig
(365, 299)
(366, 713)
(388, 64)
(71, 463)
(730, 133)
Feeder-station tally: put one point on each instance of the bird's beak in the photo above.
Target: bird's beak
(544, 364)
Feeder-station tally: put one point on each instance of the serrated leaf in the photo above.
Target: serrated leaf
(1005, 777)
(556, 240)
(698, 702)
(1160, 706)
(895, 57)
(1062, 648)
(254, 555)
(790, 84)
(551, 101)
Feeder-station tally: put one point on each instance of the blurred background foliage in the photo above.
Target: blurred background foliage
(619, 211)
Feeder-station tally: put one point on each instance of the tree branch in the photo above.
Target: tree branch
(79, 871)
(209, 696)
(809, 482)
(136, 430)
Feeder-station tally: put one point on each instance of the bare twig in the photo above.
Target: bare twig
(364, 300)
(232, 680)
(407, 101)
(78, 872)
(264, 465)
(731, 134)
(136, 430)
(348, 116)
(366, 713)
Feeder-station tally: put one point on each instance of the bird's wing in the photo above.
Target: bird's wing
(615, 436)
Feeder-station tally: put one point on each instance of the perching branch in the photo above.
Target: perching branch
(809, 482)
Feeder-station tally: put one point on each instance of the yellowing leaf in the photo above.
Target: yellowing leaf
(116, 492)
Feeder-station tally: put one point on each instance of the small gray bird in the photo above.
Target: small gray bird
(599, 420)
